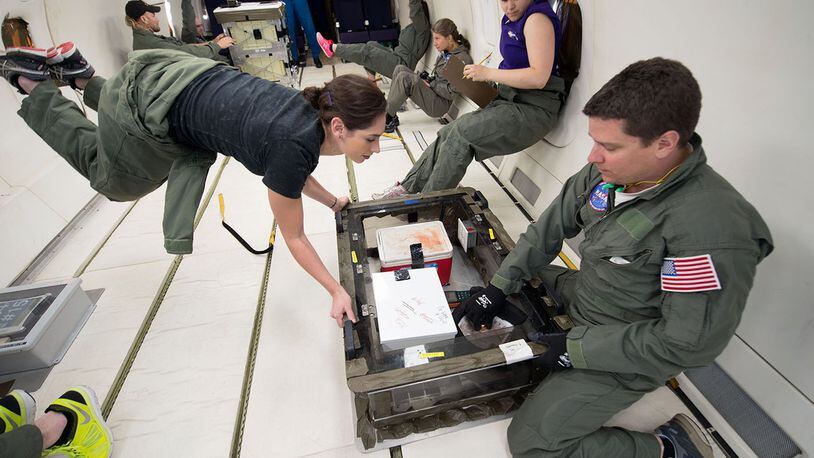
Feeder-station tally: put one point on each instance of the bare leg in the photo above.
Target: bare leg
(81, 82)
(27, 84)
(51, 426)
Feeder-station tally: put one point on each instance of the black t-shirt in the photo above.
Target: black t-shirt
(268, 128)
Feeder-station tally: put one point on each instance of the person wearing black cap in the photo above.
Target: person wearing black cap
(141, 17)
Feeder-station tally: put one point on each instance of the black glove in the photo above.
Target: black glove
(483, 305)
(556, 357)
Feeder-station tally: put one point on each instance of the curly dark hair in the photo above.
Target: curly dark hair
(652, 97)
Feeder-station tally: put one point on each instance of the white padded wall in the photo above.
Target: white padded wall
(97, 28)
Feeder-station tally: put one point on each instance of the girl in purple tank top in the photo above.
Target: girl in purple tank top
(530, 95)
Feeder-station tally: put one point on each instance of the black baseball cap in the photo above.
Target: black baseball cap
(135, 8)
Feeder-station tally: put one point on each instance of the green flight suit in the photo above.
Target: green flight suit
(145, 39)
(377, 58)
(130, 153)
(630, 336)
(22, 442)
(513, 121)
(189, 32)
(434, 98)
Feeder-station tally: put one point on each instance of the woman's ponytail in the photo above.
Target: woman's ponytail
(461, 40)
(312, 94)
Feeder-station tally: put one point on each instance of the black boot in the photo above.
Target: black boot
(682, 438)
(391, 123)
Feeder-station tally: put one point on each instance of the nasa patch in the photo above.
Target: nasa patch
(599, 198)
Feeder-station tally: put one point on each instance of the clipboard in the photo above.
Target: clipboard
(478, 91)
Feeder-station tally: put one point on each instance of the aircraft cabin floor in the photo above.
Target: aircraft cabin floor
(175, 387)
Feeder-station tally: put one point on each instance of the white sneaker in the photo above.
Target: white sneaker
(393, 192)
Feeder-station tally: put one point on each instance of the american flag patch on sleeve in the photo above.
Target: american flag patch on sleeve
(689, 275)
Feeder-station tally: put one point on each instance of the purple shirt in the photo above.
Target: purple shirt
(513, 41)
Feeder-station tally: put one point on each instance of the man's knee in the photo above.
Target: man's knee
(538, 416)
(466, 129)
(404, 79)
(532, 438)
(401, 69)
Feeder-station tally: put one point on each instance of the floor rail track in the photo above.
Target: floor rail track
(135, 346)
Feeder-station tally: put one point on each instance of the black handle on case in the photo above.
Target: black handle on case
(350, 348)
(416, 256)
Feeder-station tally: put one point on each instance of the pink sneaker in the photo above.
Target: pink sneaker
(393, 192)
(60, 52)
(67, 64)
(325, 44)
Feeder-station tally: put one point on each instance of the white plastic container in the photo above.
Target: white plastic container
(413, 311)
(394, 247)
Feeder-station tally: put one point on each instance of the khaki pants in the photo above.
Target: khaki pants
(406, 84)
(563, 417)
(512, 122)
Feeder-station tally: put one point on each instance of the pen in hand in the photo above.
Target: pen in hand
(481, 62)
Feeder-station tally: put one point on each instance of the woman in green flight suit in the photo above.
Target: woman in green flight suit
(430, 91)
(527, 106)
(166, 114)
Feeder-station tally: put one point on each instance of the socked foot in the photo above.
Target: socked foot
(26, 84)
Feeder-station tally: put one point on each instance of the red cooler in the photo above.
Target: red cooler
(394, 247)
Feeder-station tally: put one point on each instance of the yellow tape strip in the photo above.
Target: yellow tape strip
(435, 354)
(393, 136)
(567, 261)
(353, 256)
(491, 234)
(222, 206)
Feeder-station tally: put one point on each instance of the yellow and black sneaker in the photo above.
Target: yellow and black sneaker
(16, 409)
(86, 434)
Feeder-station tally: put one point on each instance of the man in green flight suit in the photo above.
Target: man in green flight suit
(142, 19)
(668, 259)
